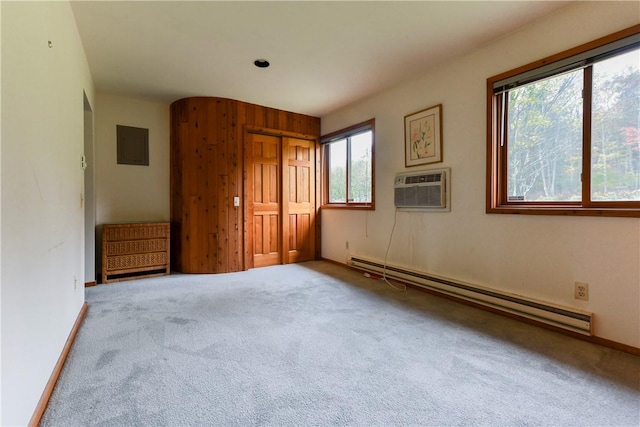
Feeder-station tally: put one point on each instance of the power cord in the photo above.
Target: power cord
(401, 286)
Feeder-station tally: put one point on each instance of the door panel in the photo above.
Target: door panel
(264, 204)
(298, 173)
(280, 199)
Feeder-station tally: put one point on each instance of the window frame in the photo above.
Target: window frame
(346, 133)
(496, 193)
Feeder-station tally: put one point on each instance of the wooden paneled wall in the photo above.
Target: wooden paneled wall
(207, 167)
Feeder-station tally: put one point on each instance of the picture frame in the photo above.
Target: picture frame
(423, 137)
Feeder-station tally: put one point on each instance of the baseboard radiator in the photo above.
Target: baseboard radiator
(564, 317)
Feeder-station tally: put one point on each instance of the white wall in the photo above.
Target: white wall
(128, 192)
(42, 182)
(1, 387)
(537, 256)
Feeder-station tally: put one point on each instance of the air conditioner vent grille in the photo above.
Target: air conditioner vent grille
(418, 196)
(432, 177)
(422, 190)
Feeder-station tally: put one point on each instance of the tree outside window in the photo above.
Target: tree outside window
(566, 140)
(349, 167)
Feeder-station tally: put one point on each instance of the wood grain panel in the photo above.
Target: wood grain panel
(235, 237)
(223, 166)
(211, 203)
(301, 206)
(272, 186)
(274, 233)
(258, 234)
(208, 142)
(223, 225)
(212, 252)
(293, 187)
(293, 237)
(257, 183)
(264, 158)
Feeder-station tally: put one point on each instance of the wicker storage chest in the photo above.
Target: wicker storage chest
(135, 250)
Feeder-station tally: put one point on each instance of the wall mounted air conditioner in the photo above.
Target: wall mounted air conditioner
(427, 190)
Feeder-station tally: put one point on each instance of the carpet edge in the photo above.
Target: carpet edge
(592, 339)
(53, 379)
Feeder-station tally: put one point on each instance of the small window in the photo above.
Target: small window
(133, 145)
(349, 167)
(564, 132)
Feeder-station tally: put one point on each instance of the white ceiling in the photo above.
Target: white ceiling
(324, 55)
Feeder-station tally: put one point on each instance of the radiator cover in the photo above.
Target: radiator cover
(564, 317)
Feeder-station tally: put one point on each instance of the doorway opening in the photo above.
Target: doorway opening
(89, 197)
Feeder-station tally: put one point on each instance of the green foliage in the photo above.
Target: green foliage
(545, 138)
(338, 184)
(360, 185)
(360, 176)
(616, 137)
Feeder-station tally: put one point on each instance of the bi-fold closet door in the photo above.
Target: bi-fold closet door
(212, 167)
(280, 191)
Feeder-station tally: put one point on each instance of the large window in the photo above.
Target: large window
(349, 167)
(564, 132)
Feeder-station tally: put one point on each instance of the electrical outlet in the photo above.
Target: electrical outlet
(346, 244)
(581, 291)
(75, 283)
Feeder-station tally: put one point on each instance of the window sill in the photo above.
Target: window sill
(350, 206)
(564, 210)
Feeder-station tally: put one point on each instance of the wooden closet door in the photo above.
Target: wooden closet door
(299, 207)
(263, 191)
